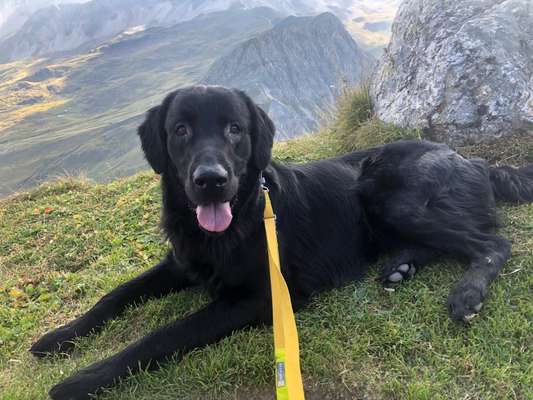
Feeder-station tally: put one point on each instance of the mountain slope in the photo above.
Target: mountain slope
(295, 70)
(95, 101)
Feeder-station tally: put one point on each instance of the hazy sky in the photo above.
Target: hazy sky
(359, 12)
(8, 6)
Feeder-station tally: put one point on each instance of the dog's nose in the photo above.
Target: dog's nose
(210, 176)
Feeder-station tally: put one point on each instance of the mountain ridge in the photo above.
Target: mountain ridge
(72, 24)
(295, 70)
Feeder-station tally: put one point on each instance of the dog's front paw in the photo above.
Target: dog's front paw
(56, 341)
(70, 389)
(84, 383)
(465, 302)
(394, 273)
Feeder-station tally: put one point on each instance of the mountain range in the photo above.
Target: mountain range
(73, 106)
(30, 28)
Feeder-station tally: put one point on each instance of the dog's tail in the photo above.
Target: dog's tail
(513, 185)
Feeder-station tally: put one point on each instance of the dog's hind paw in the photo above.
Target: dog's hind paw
(396, 273)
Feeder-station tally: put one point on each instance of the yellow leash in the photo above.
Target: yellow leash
(288, 377)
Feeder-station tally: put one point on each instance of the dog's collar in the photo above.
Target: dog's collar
(262, 180)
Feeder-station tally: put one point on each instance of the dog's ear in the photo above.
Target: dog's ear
(263, 131)
(153, 135)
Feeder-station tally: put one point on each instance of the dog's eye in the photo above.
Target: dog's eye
(181, 130)
(234, 129)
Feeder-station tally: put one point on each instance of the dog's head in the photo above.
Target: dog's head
(208, 137)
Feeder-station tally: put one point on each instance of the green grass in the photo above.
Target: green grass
(68, 243)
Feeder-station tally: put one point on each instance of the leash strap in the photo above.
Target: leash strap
(286, 349)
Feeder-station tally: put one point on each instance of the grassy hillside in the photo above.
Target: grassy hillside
(68, 243)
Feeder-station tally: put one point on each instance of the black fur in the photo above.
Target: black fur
(511, 184)
(413, 199)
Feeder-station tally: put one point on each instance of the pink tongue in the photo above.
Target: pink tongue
(214, 217)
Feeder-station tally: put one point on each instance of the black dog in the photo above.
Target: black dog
(211, 145)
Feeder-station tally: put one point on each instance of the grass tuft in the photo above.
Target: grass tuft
(354, 107)
(308, 147)
(373, 132)
(354, 127)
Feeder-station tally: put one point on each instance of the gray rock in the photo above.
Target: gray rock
(295, 70)
(461, 70)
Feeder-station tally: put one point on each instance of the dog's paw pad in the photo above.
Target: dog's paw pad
(395, 277)
(404, 268)
(398, 273)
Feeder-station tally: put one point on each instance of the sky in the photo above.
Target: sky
(8, 6)
(359, 14)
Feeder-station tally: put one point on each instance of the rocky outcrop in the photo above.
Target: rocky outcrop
(461, 70)
(295, 70)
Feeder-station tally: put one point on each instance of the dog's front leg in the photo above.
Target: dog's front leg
(214, 322)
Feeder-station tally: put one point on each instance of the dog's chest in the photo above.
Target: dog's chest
(226, 270)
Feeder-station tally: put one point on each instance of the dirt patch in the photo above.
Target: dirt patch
(510, 150)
